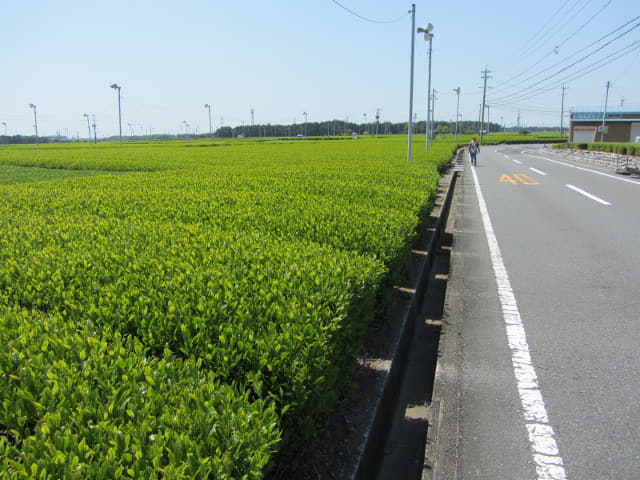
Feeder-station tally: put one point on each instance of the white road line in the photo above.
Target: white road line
(584, 169)
(544, 450)
(517, 161)
(539, 172)
(588, 195)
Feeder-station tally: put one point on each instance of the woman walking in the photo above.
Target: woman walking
(474, 149)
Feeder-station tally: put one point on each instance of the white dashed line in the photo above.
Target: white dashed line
(588, 195)
(590, 170)
(545, 453)
(517, 161)
(539, 172)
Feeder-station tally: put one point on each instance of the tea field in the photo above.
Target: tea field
(192, 310)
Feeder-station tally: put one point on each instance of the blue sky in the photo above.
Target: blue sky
(283, 57)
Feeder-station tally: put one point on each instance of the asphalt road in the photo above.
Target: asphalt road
(551, 319)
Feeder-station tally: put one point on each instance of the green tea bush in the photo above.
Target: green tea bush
(201, 309)
(82, 402)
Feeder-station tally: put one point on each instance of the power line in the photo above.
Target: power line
(589, 46)
(548, 26)
(366, 19)
(556, 48)
(529, 87)
(524, 95)
(528, 93)
(586, 23)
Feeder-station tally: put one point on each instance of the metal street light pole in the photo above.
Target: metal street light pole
(428, 36)
(305, 123)
(85, 115)
(413, 27)
(115, 86)
(457, 90)
(207, 106)
(434, 97)
(6, 139)
(35, 118)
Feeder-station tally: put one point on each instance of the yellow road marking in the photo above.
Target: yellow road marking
(518, 177)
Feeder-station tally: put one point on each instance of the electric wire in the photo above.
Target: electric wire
(366, 19)
(600, 48)
(533, 43)
(563, 22)
(529, 94)
(594, 43)
(555, 50)
(586, 23)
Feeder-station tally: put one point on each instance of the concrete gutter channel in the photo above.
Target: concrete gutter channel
(374, 447)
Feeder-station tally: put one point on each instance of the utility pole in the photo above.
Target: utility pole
(377, 120)
(564, 88)
(488, 123)
(413, 44)
(485, 74)
(457, 90)
(95, 134)
(604, 115)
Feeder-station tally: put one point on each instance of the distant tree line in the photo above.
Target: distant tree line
(341, 128)
(21, 139)
(332, 128)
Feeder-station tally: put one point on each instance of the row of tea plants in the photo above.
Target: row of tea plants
(195, 310)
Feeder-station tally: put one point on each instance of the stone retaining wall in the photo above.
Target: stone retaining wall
(611, 161)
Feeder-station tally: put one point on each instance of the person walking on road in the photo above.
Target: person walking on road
(474, 149)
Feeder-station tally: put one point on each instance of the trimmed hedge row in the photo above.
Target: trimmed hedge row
(81, 401)
(619, 148)
(228, 287)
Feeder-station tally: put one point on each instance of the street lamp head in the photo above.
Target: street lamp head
(31, 105)
(206, 105)
(115, 86)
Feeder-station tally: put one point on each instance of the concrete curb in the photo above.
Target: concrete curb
(377, 430)
(441, 449)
